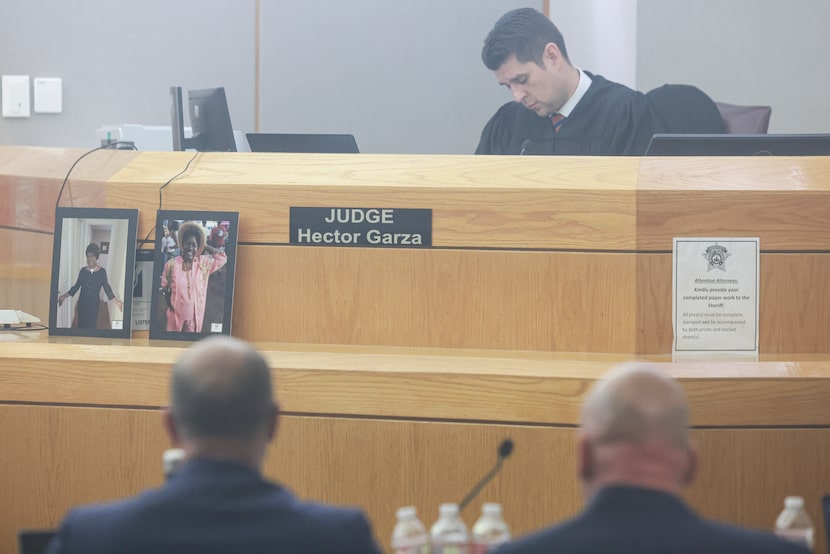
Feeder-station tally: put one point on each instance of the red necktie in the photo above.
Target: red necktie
(556, 120)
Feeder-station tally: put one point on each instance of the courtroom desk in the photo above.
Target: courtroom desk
(560, 254)
(383, 427)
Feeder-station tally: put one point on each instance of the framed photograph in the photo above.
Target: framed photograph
(193, 274)
(92, 288)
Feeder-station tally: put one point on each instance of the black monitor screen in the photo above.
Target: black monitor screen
(209, 119)
(304, 143)
(738, 145)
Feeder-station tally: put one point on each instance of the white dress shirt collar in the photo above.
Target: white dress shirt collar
(581, 89)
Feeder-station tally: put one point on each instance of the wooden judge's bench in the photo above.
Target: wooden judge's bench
(401, 370)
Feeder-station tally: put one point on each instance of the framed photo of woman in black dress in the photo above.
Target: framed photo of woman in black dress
(93, 259)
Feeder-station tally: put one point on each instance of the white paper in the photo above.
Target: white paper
(715, 284)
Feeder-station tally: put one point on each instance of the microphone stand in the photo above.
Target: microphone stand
(505, 449)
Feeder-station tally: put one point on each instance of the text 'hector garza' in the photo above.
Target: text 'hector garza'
(359, 226)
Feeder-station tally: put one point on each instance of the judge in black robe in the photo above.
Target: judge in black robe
(527, 54)
(610, 120)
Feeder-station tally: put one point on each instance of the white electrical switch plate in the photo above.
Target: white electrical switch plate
(48, 95)
(15, 95)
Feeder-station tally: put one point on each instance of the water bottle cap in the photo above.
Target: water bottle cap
(448, 509)
(407, 512)
(794, 502)
(171, 459)
(491, 509)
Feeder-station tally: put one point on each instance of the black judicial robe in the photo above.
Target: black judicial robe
(610, 120)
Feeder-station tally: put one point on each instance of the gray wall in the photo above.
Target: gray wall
(764, 52)
(118, 60)
(401, 76)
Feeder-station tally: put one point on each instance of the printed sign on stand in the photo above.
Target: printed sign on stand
(715, 284)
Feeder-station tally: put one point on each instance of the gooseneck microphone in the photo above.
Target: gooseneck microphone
(505, 449)
(522, 150)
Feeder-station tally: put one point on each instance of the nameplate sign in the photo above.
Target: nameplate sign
(372, 227)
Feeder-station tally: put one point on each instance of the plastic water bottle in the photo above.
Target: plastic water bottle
(171, 460)
(490, 530)
(794, 524)
(409, 536)
(449, 534)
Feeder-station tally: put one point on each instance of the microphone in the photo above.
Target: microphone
(522, 150)
(505, 449)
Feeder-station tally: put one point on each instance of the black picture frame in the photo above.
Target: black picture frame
(78, 232)
(211, 288)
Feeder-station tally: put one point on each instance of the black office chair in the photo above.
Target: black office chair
(825, 508)
(685, 109)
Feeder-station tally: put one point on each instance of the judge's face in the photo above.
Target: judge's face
(91, 260)
(543, 90)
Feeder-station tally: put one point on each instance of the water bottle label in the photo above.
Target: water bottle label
(450, 549)
(801, 536)
(422, 549)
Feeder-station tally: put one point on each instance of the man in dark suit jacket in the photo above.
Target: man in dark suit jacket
(634, 458)
(223, 415)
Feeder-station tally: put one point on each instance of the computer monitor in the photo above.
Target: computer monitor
(303, 143)
(738, 145)
(209, 119)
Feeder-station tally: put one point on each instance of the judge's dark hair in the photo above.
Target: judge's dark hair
(93, 249)
(228, 396)
(523, 32)
(192, 229)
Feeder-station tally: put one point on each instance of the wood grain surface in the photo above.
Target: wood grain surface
(57, 457)
(30, 179)
(476, 202)
(401, 370)
(794, 303)
(25, 271)
(782, 200)
(442, 298)
(420, 383)
(532, 253)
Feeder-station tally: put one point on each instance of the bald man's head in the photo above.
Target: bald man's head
(636, 403)
(635, 431)
(221, 388)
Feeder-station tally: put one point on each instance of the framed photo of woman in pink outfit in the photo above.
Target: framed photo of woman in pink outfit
(193, 273)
